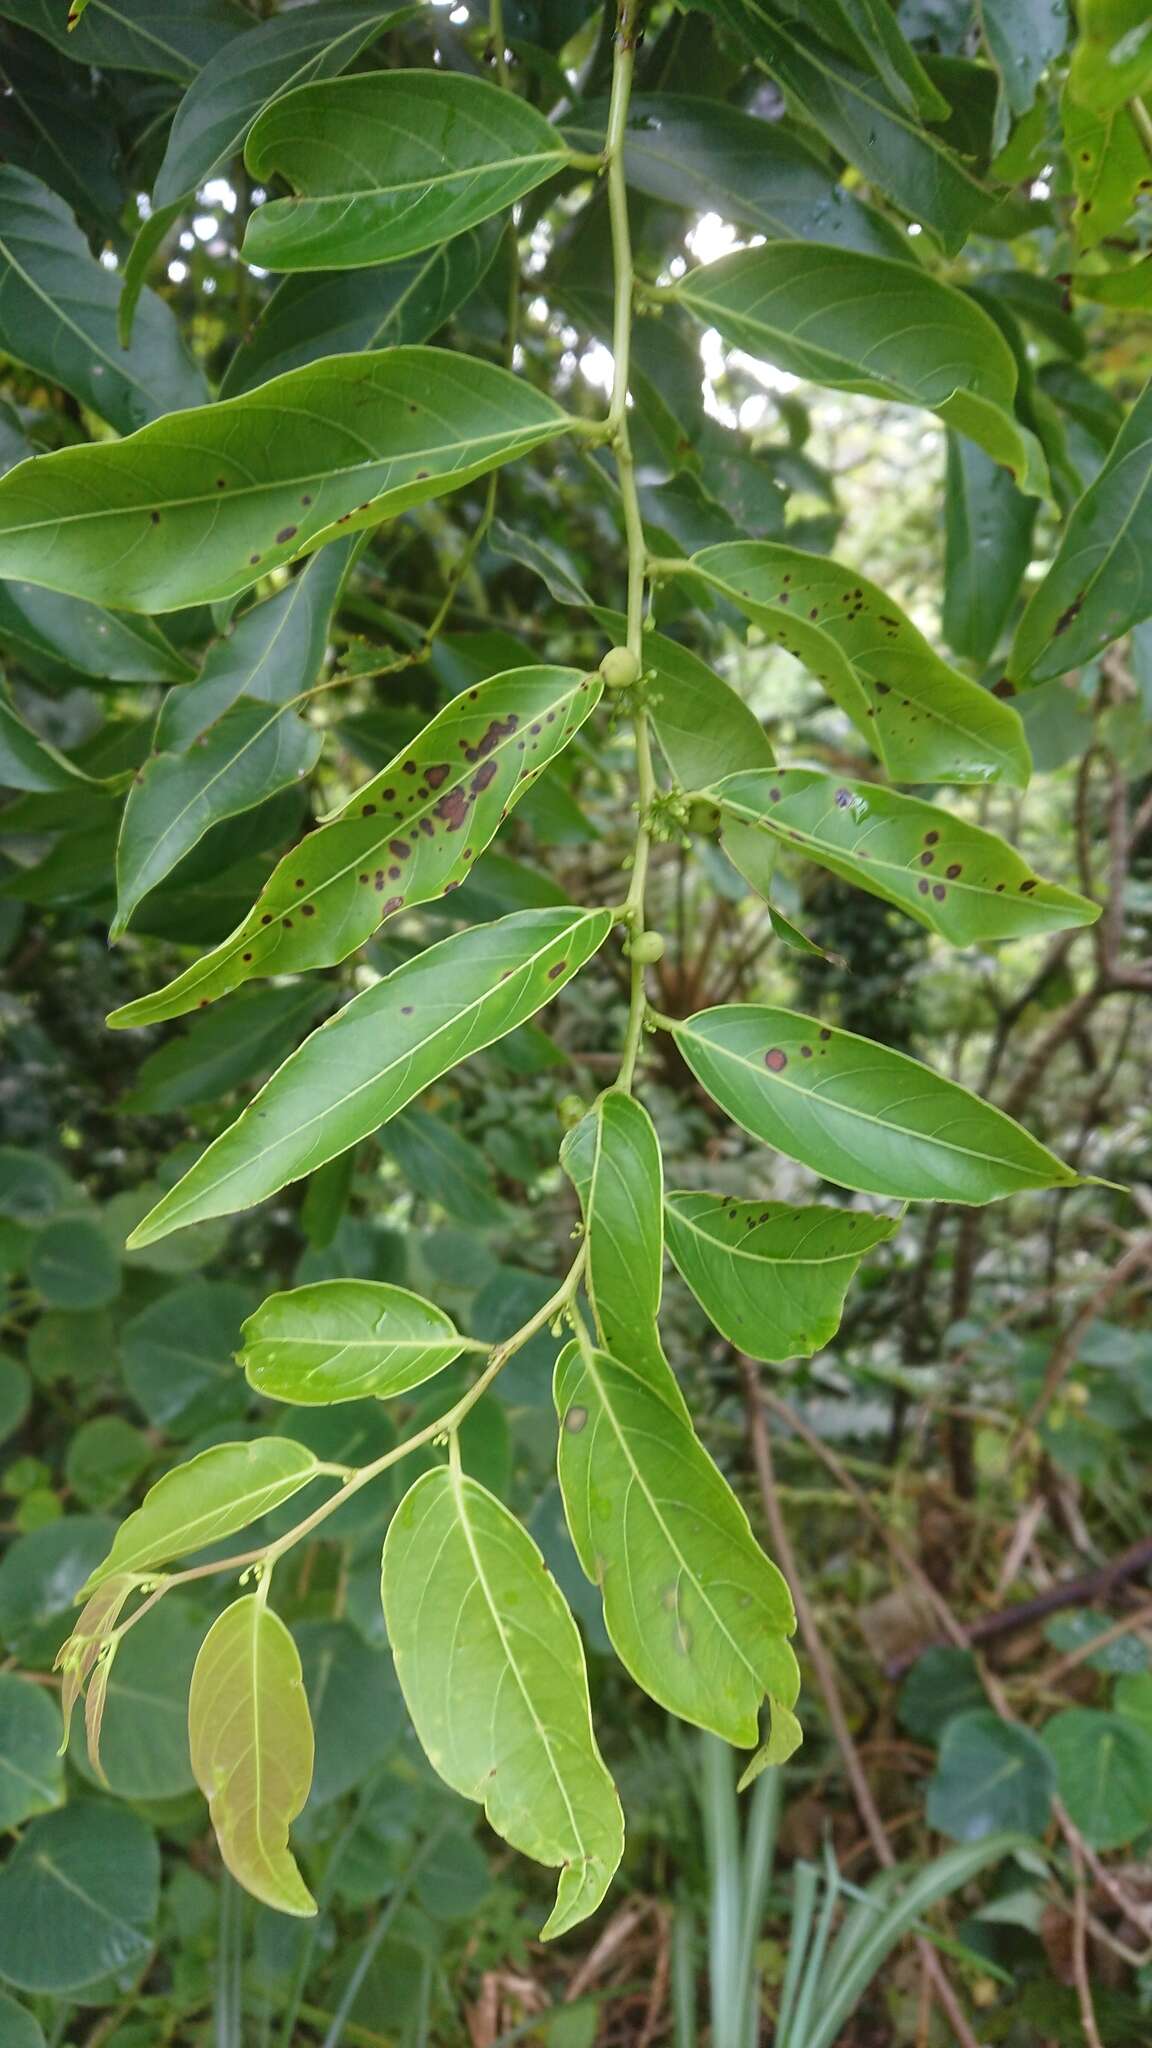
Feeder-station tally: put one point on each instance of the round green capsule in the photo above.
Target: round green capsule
(620, 668)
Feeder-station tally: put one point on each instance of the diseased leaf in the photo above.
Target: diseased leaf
(1109, 166)
(924, 719)
(771, 1277)
(379, 1052)
(388, 163)
(1112, 60)
(1100, 583)
(222, 1490)
(201, 506)
(492, 1670)
(252, 1749)
(407, 836)
(342, 1340)
(988, 546)
(858, 1114)
(967, 884)
(694, 1609)
(862, 323)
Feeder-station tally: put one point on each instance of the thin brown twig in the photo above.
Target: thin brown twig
(1080, 1975)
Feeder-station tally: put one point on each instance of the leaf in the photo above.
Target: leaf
(388, 163)
(885, 329)
(1112, 60)
(252, 1749)
(709, 156)
(405, 837)
(1024, 37)
(170, 38)
(53, 125)
(943, 1682)
(924, 719)
(991, 1774)
(771, 1277)
(443, 1167)
(78, 1897)
(868, 33)
(870, 1119)
(704, 729)
(48, 630)
(143, 1737)
(73, 1264)
(28, 762)
(342, 1340)
(612, 1158)
(1100, 583)
(357, 1711)
(333, 312)
(58, 317)
(31, 1774)
(18, 2027)
(1109, 166)
(222, 1490)
(988, 546)
(378, 1053)
(201, 506)
(177, 1355)
(784, 1738)
(695, 1611)
(492, 1670)
(221, 1049)
(967, 884)
(1103, 1773)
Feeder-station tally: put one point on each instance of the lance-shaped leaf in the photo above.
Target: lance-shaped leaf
(28, 762)
(201, 506)
(250, 1734)
(704, 729)
(381, 1050)
(78, 1657)
(169, 38)
(54, 634)
(858, 1114)
(1109, 166)
(612, 1158)
(341, 1340)
(694, 1609)
(58, 316)
(1100, 583)
(863, 323)
(924, 719)
(772, 1278)
(967, 884)
(335, 312)
(222, 1490)
(388, 163)
(867, 32)
(492, 1670)
(988, 546)
(409, 835)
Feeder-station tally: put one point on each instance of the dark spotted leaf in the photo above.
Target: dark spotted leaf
(1109, 165)
(1112, 61)
(405, 837)
(341, 1340)
(381, 1050)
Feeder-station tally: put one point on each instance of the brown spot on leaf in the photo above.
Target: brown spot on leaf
(776, 1060)
(287, 533)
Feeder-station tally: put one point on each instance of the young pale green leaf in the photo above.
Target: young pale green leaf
(342, 1340)
(1109, 166)
(858, 1114)
(784, 1738)
(863, 323)
(222, 1490)
(988, 546)
(336, 312)
(53, 633)
(1112, 61)
(250, 1734)
(772, 1278)
(28, 762)
(380, 1051)
(612, 1158)
(388, 163)
(492, 1670)
(409, 835)
(202, 505)
(58, 315)
(1100, 583)
(967, 884)
(168, 38)
(695, 1611)
(926, 721)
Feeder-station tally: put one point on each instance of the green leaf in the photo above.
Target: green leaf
(18, 2027)
(924, 719)
(991, 1774)
(177, 1355)
(704, 729)
(784, 1738)
(988, 546)
(78, 1896)
(379, 1052)
(1132, 1698)
(170, 38)
(58, 316)
(405, 837)
(252, 1748)
(1024, 37)
(50, 632)
(357, 1711)
(222, 1490)
(942, 1683)
(15, 1396)
(342, 1340)
(1109, 166)
(772, 1278)
(1103, 1773)
(1112, 61)
(104, 1458)
(1100, 583)
(389, 163)
(706, 155)
(443, 1167)
(884, 328)
(221, 1049)
(695, 1611)
(31, 1773)
(28, 762)
(53, 125)
(868, 32)
(493, 1673)
(967, 884)
(73, 1264)
(858, 1114)
(202, 505)
(334, 312)
(144, 1722)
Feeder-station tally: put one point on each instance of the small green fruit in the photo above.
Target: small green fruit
(646, 947)
(571, 1110)
(620, 668)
